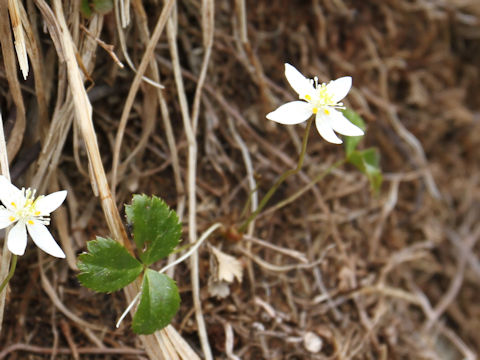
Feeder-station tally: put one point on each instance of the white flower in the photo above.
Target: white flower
(21, 207)
(321, 100)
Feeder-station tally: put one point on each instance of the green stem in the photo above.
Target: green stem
(280, 180)
(306, 188)
(13, 265)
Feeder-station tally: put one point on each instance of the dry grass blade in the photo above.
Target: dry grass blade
(191, 187)
(38, 70)
(83, 115)
(20, 46)
(8, 52)
(84, 119)
(162, 20)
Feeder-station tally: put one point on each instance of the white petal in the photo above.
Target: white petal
(17, 239)
(291, 113)
(8, 192)
(342, 125)
(50, 202)
(339, 88)
(44, 240)
(325, 130)
(5, 218)
(297, 81)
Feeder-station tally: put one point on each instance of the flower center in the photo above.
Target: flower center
(322, 98)
(27, 211)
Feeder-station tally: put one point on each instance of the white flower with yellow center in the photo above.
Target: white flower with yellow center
(22, 209)
(321, 100)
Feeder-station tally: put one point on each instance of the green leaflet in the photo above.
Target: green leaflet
(107, 266)
(87, 7)
(159, 302)
(156, 228)
(351, 142)
(368, 160)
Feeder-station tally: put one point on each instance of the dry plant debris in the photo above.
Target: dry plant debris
(336, 274)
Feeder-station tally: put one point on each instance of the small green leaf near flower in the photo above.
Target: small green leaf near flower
(159, 303)
(351, 142)
(85, 8)
(102, 7)
(156, 228)
(107, 266)
(368, 160)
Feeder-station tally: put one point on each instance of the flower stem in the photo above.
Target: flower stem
(306, 188)
(281, 179)
(13, 265)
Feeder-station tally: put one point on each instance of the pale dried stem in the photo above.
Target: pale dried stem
(83, 112)
(61, 221)
(18, 34)
(83, 116)
(208, 27)
(8, 52)
(289, 252)
(247, 159)
(6, 256)
(123, 44)
(124, 11)
(38, 72)
(465, 247)
(49, 289)
(408, 137)
(147, 56)
(191, 187)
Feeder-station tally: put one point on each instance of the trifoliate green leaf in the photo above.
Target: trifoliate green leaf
(102, 6)
(156, 229)
(107, 266)
(368, 162)
(351, 142)
(85, 8)
(159, 303)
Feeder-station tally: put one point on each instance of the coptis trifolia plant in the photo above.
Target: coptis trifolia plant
(323, 101)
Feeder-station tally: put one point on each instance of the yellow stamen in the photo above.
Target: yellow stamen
(30, 222)
(314, 110)
(11, 218)
(37, 213)
(13, 204)
(308, 97)
(326, 111)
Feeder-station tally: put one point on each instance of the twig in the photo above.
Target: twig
(289, 252)
(108, 48)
